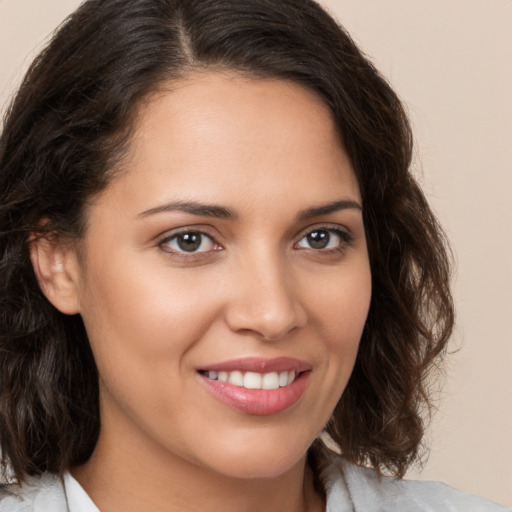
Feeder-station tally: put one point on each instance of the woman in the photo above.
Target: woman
(213, 253)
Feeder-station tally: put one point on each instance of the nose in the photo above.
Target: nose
(265, 300)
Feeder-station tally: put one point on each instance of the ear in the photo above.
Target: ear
(56, 267)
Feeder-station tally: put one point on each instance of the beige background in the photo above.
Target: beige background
(451, 62)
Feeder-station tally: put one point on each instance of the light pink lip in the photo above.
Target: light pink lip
(258, 402)
(259, 365)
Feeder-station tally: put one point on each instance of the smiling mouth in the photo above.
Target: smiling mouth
(253, 380)
(257, 386)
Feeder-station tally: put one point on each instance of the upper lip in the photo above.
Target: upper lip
(259, 365)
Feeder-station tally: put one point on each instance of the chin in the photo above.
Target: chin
(260, 469)
(259, 460)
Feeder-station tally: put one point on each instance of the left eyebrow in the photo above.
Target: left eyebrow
(325, 209)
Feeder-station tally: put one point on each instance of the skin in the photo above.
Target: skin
(267, 150)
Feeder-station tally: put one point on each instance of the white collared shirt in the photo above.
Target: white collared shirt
(349, 488)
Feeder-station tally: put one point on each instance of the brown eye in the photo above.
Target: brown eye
(189, 242)
(318, 239)
(324, 238)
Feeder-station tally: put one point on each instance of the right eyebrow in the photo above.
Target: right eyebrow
(331, 207)
(192, 207)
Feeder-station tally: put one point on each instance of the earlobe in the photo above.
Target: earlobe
(56, 267)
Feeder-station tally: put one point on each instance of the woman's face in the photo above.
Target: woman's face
(232, 248)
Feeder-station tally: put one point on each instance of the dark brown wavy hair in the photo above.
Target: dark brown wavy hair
(71, 122)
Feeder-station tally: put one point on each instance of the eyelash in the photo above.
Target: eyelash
(345, 240)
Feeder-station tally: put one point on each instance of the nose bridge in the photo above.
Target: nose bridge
(266, 301)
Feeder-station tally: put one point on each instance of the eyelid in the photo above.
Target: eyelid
(328, 226)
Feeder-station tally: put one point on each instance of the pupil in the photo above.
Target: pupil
(318, 239)
(189, 242)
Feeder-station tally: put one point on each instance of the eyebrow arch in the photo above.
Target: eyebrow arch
(192, 207)
(325, 209)
(220, 212)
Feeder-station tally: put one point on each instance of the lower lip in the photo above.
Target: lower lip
(260, 402)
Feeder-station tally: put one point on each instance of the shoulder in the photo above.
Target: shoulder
(351, 487)
(369, 489)
(44, 493)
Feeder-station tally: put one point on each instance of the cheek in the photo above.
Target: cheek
(139, 317)
(341, 306)
(142, 327)
(338, 313)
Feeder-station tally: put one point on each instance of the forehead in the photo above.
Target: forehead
(225, 136)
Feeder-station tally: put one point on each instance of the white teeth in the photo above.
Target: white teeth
(253, 380)
(236, 378)
(270, 381)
